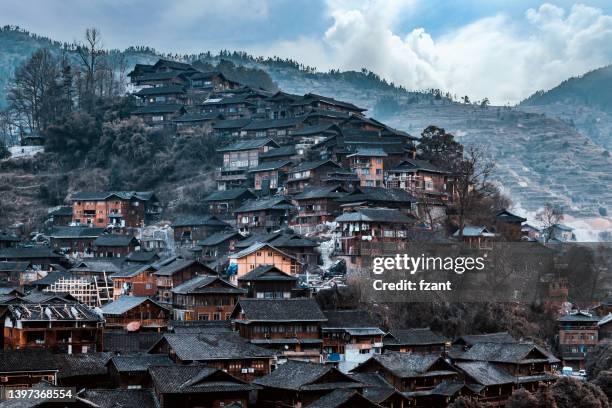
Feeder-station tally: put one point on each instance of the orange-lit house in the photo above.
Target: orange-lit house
(262, 254)
(368, 164)
(205, 298)
(114, 208)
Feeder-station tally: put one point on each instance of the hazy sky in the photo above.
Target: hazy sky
(497, 48)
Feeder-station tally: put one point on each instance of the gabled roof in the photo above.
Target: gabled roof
(413, 165)
(378, 194)
(343, 398)
(485, 373)
(29, 253)
(250, 144)
(310, 97)
(321, 192)
(125, 304)
(158, 108)
(211, 346)
(266, 273)
(387, 215)
(219, 237)
(284, 240)
(51, 277)
(507, 216)
(275, 123)
(63, 298)
(114, 398)
(142, 256)
(579, 316)
(263, 204)
(369, 152)
(195, 379)
(195, 220)
(207, 284)
(302, 376)
(304, 166)
(279, 310)
(8, 266)
(57, 311)
(605, 320)
(198, 117)
(75, 232)
(169, 268)
(279, 152)
(321, 128)
(515, 353)
(408, 365)
(271, 165)
(115, 240)
(105, 195)
(161, 90)
(65, 210)
(258, 247)
(413, 337)
(10, 291)
(471, 339)
(133, 270)
(474, 231)
(177, 65)
(4, 237)
(139, 362)
(232, 194)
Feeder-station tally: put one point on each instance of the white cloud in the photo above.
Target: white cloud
(495, 57)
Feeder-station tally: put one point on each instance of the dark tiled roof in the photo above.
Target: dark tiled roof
(417, 165)
(317, 129)
(51, 278)
(126, 303)
(83, 364)
(507, 216)
(417, 336)
(139, 362)
(121, 341)
(388, 215)
(231, 124)
(343, 398)
(27, 360)
(219, 237)
(257, 247)
(271, 165)
(274, 203)
(281, 310)
(279, 152)
(207, 284)
(47, 311)
(248, 145)
(231, 194)
(274, 123)
(292, 241)
(499, 337)
(142, 256)
(198, 116)
(161, 90)
(209, 220)
(580, 316)
(194, 380)
(211, 346)
(514, 353)
(14, 266)
(267, 273)
(311, 97)
(342, 319)
(407, 365)
(158, 76)
(105, 195)
(321, 192)
(76, 232)
(302, 376)
(313, 165)
(485, 373)
(4, 237)
(369, 152)
(65, 211)
(120, 398)
(114, 240)
(128, 271)
(158, 108)
(29, 252)
(378, 194)
(49, 297)
(177, 265)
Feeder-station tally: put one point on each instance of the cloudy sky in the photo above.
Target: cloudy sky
(504, 50)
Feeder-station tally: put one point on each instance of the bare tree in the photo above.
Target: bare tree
(471, 181)
(90, 52)
(549, 216)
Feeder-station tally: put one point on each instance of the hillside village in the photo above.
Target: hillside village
(229, 306)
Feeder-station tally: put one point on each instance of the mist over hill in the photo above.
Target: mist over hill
(541, 156)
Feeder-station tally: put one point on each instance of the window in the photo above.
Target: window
(203, 316)
(157, 118)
